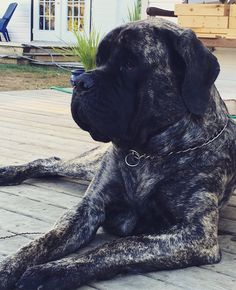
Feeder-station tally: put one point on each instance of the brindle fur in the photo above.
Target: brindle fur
(166, 209)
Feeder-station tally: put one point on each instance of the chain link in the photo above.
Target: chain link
(137, 157)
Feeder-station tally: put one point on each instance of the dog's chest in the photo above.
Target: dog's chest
(140, 181)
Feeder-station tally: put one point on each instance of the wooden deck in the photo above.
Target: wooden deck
(37, 124)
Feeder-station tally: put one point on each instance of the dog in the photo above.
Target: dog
(168, 169)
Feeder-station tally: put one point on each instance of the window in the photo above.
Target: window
(75, 15)
(47, 14)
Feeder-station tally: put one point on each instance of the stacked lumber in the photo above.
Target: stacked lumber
(208, 20)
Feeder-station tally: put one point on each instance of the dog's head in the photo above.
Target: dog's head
(149, 74)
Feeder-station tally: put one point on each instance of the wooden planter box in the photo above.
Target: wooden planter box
(208, 20)
(232, 17)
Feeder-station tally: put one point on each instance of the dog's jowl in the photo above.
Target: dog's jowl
(160, 182)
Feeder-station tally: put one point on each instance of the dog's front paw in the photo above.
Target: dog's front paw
(9, 273)
(5, 282)
(48, 277)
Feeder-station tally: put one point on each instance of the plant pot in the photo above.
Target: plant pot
(75, 74)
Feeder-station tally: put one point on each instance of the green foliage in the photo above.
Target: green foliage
(134, 14)
(84, 49)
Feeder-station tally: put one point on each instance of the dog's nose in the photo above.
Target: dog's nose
(85, 81)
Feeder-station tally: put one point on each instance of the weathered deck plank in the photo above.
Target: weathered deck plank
(43, 195)
(196, 278)
(37, 124)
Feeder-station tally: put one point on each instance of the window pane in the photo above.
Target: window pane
(81, 26)
(69, 13)
(76, 24)
(41, 23)
(53, 9)
(47, 9)
(46, 23)
(76, 11)
(82, 9)
(41, 9)
(52, 23)
(69, 23)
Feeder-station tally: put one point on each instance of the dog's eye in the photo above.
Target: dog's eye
(129, 65)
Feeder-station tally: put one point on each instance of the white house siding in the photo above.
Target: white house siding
(19, 27)
(226, 81)
(107, 14)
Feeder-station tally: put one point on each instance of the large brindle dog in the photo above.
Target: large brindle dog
(160, 185)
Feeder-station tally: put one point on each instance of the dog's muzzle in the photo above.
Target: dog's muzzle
(82, 84)
(84, 89)
(84, 81)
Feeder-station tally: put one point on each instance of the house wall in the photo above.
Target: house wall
(226, 81)
(107, 14)
(19, 26)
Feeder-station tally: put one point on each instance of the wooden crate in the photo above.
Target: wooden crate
(202, 9)
(208, 20)
(232, 22)
(215, 30)
(204, 21)
(232, 10)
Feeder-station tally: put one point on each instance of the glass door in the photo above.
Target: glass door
(56, 20)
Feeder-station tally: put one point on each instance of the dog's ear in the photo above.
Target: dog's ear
(200, 72)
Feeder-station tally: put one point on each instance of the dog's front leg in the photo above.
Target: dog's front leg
(74, 230)
(187, 245)
(83, 167)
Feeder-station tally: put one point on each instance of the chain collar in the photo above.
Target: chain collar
(133, 158)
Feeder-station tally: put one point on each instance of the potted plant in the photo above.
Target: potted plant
(85, 48)
(84, 51)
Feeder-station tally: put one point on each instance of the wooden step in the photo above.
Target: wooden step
(11, 49)
(13, 60)
(67, 65)
(32, 49)
(43, 56)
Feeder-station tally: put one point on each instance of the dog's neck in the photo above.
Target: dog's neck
(191, 130)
